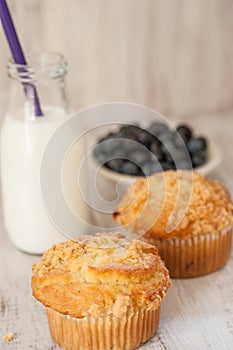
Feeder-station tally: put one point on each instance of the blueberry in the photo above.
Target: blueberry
(123, 129)
(169, 165)
(130, 168)
(185, 132)
(117, 153)
(199, 158)
(155, 148)
(128, 146)
(112, 145)
(196, 145)
(158, 128)
(130, 131)
(101, 153)
(175, 157)
(183, 164)
(145, 138)
(151, 168)
(181, 153)
(139, 157)
(101, 148)
(118, 134)
(100, 156)
(166, 150)
(166, 165)
(114, 164)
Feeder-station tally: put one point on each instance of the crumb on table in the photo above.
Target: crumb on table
(8, 337)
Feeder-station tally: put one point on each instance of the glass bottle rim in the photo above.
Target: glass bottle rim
(43, 65)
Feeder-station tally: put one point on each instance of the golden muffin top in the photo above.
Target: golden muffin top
(100, 275)
(175, 204)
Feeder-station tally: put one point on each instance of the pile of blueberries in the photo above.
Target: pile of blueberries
(138, 151)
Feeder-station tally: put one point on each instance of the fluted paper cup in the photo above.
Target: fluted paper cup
(197, 255)
(103, 333)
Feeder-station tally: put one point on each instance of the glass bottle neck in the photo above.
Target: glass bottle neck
(38, 86)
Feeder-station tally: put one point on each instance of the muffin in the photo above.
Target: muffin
(185, 215)
(101, 292)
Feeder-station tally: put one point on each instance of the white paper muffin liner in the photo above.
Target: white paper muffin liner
(197, 255)
(103, 333)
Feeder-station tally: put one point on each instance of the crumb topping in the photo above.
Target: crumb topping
(175, 204)
(8, 337)
(100, 274)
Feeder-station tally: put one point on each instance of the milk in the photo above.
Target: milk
(23, 142)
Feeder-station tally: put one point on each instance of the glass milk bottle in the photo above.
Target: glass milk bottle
(24, 136)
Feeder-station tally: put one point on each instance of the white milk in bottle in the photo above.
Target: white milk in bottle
(24, 137)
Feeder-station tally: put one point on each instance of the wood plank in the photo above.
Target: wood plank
(174, 56)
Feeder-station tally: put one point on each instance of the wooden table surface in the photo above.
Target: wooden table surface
(196, 314)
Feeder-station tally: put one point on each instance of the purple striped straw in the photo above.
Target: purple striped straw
(17, 52)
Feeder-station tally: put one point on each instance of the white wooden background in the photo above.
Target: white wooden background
(175, 56)
(196, 314)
